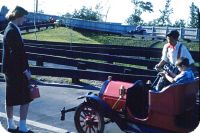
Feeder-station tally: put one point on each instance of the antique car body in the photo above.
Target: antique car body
(134, 107)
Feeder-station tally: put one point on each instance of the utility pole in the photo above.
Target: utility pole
(36, 6)
(35, 12)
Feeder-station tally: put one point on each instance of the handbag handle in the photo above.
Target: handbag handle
(33, 82)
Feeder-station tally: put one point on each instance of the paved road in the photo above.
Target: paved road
(44, 113)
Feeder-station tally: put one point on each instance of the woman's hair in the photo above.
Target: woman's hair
(182, 61)
(17, 12)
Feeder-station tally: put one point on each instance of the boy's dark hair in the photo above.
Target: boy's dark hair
(182, 61)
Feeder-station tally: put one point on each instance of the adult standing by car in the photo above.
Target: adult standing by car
(16, 70)
(170, 53)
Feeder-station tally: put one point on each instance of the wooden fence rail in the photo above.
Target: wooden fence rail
(104, 50)
(41, 53)
(87, 55)
(137, 51)
(84, 74)
(108, 54)
(94, 56)
(80, 64)
(107, 49)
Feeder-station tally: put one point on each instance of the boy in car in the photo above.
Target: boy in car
(185, 74)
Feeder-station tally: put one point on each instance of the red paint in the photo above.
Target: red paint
(164, 106)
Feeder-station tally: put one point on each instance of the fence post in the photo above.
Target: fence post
(80, 66)
(127, 71)
(153, 30)
(150, 66)
(38, 28)
(181, 33)
(167, 29)
(39, 61)
(197, 34)
(27, 30)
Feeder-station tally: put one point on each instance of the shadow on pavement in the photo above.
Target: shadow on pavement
(75, 86)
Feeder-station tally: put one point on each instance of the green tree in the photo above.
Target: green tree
(179, 23)
(194, 16)
(164, 19)
(67, 15)
(88, 14)
(140, 7)
(134, 20)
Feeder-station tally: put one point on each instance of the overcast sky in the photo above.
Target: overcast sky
(118, 10)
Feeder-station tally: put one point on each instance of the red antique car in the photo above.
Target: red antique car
(134, 107)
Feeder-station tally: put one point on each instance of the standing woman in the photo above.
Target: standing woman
(16, 70)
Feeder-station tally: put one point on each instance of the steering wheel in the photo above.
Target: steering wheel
(158, 75)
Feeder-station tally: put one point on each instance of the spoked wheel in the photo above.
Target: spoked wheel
(88, 119)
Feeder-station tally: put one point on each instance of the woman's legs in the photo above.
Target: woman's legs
(23, 111)
(10, 121)
(23, 116)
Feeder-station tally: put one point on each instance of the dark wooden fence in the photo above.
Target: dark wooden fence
(106, 49)
(95, 62)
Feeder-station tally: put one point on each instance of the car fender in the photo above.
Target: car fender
(100, 103)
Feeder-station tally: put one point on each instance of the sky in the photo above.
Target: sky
(117, 10)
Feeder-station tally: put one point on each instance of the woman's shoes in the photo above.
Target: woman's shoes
(18, 131)
(13, 130)
(29, 131)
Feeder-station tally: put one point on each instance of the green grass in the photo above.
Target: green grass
(124, 41)
(192, 46)
(60, 35)
(112, 39)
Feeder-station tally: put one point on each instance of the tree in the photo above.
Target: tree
(152, 23)
(88, 14)
(179, 23)
(41, 11)
(194, 16)
(164, 19)
(67, 15)
(140, 7)
(134, 20)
